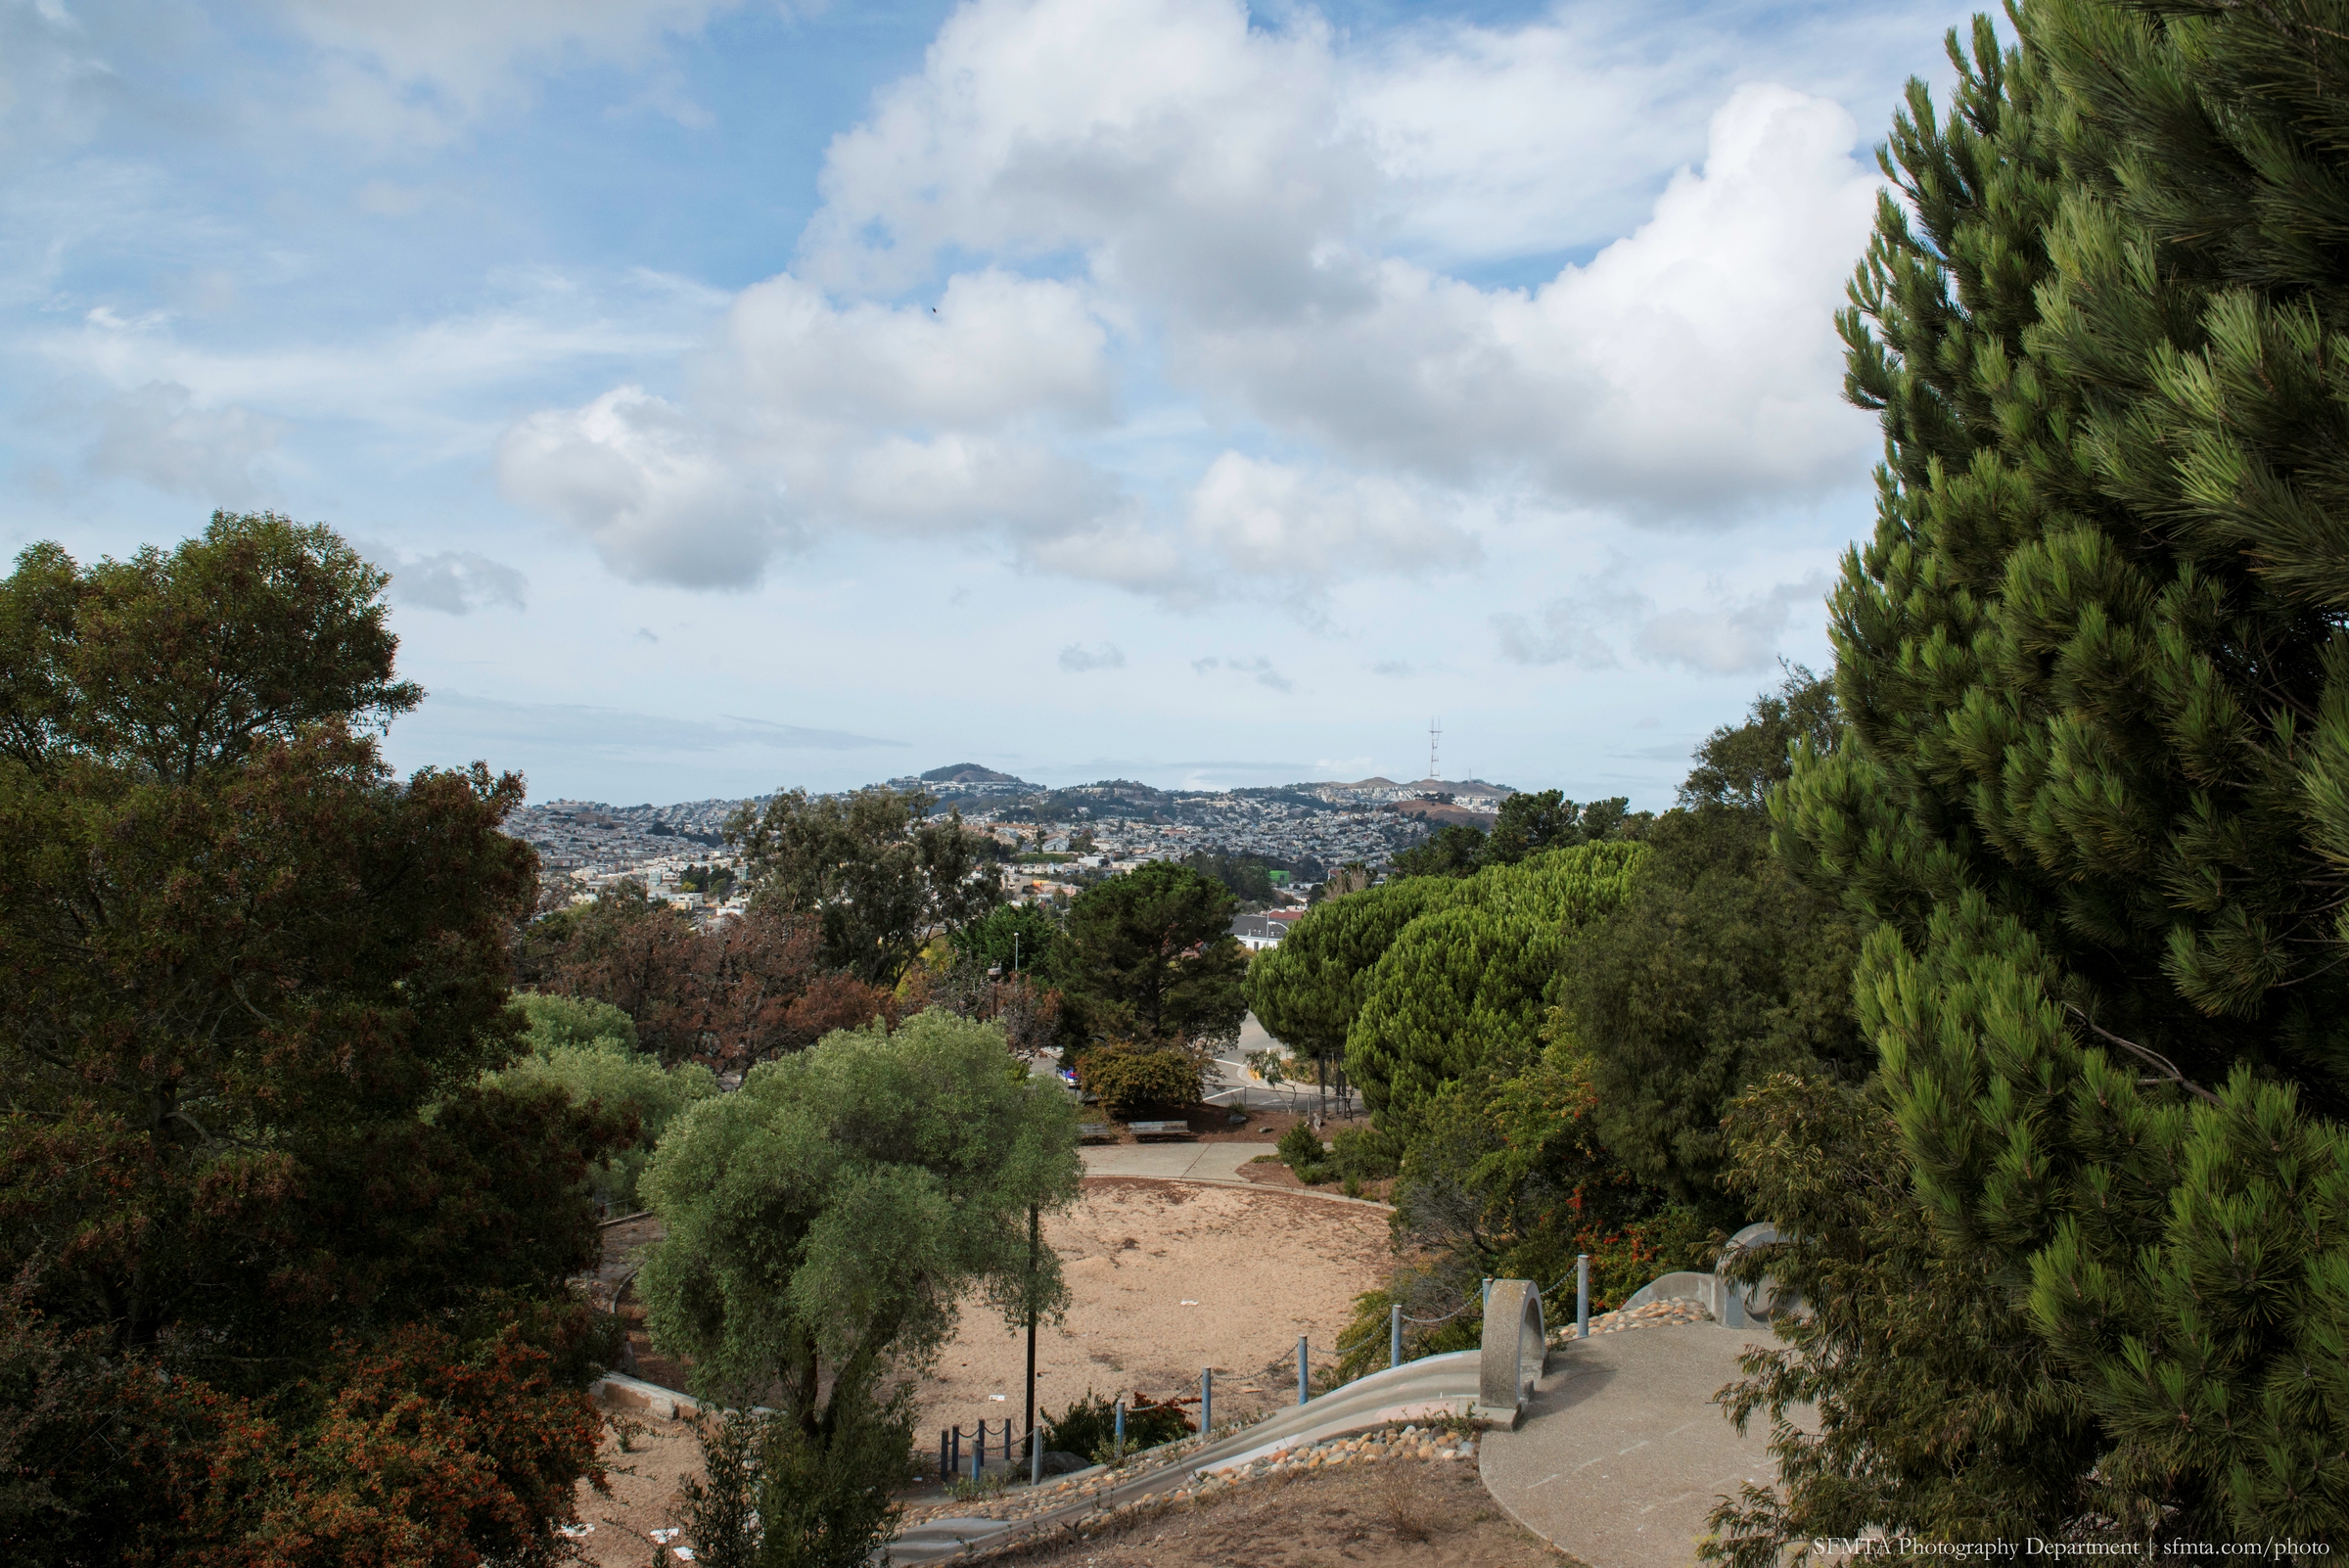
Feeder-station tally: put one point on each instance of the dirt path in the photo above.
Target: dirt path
(1167, 1279)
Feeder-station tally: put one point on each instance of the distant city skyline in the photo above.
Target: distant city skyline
(747, 393)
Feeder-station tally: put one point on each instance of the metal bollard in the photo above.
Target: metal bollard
(1582, 1296)
(1301, 1352)
(1394, 1336)
(1207, 1400)
(945, 1465)
(978, 1455)
(1487, 1296)
(1119, 1439)
(1035, 1458)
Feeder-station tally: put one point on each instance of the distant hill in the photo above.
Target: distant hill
(967, 773)
(1473, 789)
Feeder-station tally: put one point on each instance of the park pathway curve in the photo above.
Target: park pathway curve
(1622, 1453)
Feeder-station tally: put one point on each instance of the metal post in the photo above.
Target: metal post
(978, 1455)
(1035, 1458)
(1582, 1296)
(1119, 1439)
(945, 1466)
(1207, 1400)
(1395, 1336)
(1034, 1448)
(1301, 1352)
(1487, 1296)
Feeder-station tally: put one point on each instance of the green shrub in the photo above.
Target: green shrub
(602, 1069)
(1124, 1077)
(1364, 1154)
(1089, 1427)
(571, 1021)
(1085, 1425)
(1300, 1146)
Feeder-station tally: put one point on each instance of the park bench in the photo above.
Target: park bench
(1160, 1130)
(1097, 1132)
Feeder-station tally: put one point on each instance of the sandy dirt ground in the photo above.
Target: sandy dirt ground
(643, 1476)
(1167, 1279)
(1397, 1516)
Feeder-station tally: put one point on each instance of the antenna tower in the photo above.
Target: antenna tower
(1435, 733)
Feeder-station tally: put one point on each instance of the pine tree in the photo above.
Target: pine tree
(1475, 974)
(2097, 684)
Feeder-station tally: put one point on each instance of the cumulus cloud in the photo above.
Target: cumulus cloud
(809, 414)
(1690, 367)
(1284, 521)
(1739, 637)
(455, 583)
(1078, 659)
(161, 435)
(1593, 627)
(1252, 213)
(644, 482)
(1258, 669)
(1229, 184)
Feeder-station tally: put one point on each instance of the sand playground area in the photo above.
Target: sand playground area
(1165, 1279)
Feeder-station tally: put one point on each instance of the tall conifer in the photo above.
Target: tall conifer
(2095, 672)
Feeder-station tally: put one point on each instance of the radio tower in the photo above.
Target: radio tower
(1435, 733)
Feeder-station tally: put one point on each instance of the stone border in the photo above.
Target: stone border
(1512, 1311)
(623, 1393)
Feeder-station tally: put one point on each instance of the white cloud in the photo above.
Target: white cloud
(1689, 369)
(161, 434)
(1241, 190)
(642, 482)
(995, 350)
(1593, 626)
(904, 419)
(1739, 637)
(1258, 669)
(410, 68)
(455, 583)
(1078, 659)
(1280, 522)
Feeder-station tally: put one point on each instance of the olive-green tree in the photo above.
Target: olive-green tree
(825, 1223)
(874, 868)
(586, 1050)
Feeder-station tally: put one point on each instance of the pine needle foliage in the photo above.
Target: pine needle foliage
(2094, 666)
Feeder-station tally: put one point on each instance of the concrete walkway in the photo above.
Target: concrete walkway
(1620, 1454)
(1176, 1161)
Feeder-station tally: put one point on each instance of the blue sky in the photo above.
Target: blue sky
(747, 394)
